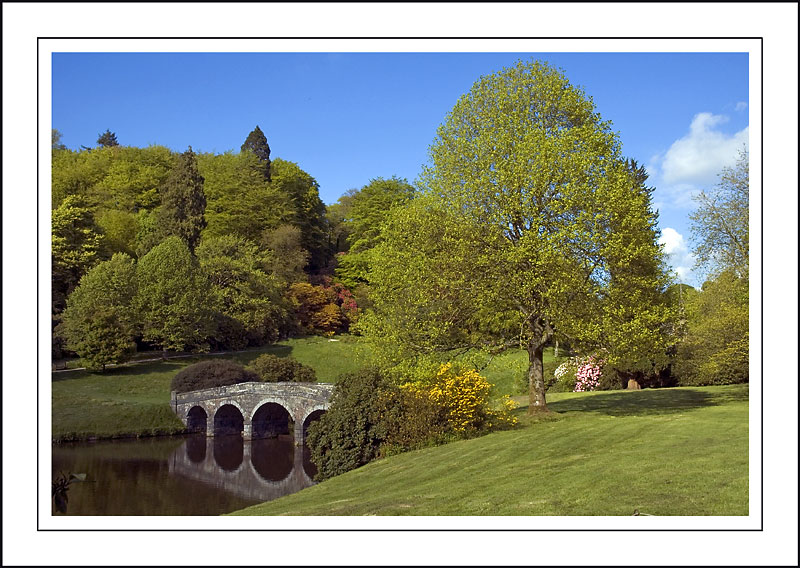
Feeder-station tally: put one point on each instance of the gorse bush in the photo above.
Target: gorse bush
(272, 369)
(462, 396)
(213, 373)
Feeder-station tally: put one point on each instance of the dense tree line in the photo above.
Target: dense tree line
(211, 250)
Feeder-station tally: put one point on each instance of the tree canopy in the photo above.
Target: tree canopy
(720, 224)
(98, 323)
(107, 139)
(530, 226)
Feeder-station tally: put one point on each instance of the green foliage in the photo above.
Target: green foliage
(530, 224)
(183, 202)
(366, 211)
(98, 323)
(273, 369)
(289, 258)
(212, 373)
(247, 297)
(350, 433)
(119, 229)
(308, 210)
(76, 247)
(256, 143)
(239, 200)
(336, 216)
(107, 139)
(720, 224)
(120, 177)
(715, 349)
(173, 301)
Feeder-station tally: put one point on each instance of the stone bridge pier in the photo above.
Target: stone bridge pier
(254, 410)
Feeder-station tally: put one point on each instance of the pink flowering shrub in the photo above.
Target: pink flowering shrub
(588, 373)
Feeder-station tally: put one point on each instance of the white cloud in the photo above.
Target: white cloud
(740, 106)
(697, 158)
(677, 251)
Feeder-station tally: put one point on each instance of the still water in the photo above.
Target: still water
(191, 475)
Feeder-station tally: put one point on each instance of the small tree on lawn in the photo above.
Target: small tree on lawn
(98, 323)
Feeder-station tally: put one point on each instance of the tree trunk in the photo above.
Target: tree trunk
(537, 401)
(555, 350)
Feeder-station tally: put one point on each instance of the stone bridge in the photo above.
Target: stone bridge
(254, 410)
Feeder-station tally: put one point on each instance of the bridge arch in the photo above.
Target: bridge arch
(229, 418)
(312, 413)
(271, 418)
(197, 419)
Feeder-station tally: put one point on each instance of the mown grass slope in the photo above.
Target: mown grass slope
(681, 451)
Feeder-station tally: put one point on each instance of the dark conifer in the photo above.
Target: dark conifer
(257, 143)
(183, 202)
(107, 139)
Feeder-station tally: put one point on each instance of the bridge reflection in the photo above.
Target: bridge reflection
(260, 470)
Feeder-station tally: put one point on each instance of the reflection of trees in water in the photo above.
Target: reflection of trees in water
(229, 452)
(273, 458)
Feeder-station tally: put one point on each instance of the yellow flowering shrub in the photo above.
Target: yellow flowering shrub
(462, 395)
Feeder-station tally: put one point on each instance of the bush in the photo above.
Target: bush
(272, 369)
(212, 373)
(351, 432)
(563, 377)
(369, 416)
(462, 397)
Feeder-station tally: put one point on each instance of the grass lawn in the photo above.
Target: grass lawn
(680, 451)
(134, 399)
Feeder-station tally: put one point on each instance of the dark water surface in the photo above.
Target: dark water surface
(191, 475)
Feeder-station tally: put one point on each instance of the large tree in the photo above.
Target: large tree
(256, 143)
(173, 302)
(720, 224)
(76, 247)
(98, 323)
(367, 211)
(308, 210)
(183, 202)
(531, 225)
(246, 296)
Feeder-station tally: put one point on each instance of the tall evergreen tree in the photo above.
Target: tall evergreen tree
(107, 139)
(183, 202)
(257, 143)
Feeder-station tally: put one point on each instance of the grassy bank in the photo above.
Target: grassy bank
(681, 451)
(133, 400)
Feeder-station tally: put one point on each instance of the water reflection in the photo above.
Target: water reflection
(259, 470)
(194, 475)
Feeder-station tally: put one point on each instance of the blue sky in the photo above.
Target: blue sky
(346, 118)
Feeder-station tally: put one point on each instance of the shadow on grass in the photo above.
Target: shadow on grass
(650, 402)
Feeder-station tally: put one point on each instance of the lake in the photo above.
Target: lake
(190, 475)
